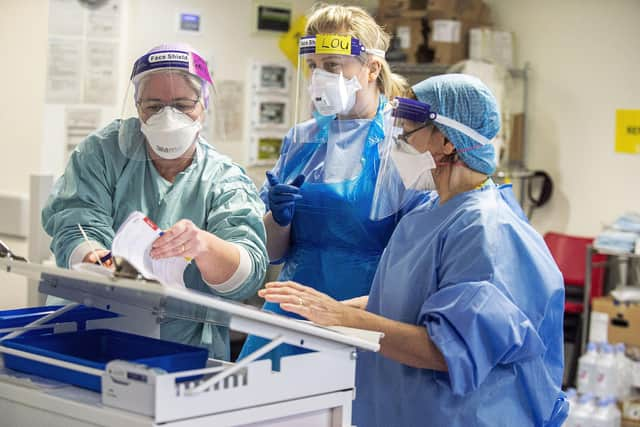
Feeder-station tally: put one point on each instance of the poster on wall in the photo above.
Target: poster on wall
(628, 131)
(100, 76)
(83, 50)
(80, 122)
(103, 21)
(230, 94)
(64, 82)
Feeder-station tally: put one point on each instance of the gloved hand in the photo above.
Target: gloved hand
(282, 198)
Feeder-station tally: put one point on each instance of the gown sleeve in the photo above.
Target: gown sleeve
(475, 323)
(235, 215)
(83, 195)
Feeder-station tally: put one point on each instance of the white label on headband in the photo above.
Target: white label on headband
(462, 128)
(168, 56)
(310, 42)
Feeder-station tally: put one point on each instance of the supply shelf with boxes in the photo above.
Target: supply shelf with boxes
(432, 37)
(97, 361)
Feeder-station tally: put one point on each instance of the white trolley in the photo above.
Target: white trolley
(311, 389)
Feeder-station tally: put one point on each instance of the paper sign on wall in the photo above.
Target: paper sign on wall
(628, 131)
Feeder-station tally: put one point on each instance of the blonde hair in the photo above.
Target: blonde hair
(356, 22)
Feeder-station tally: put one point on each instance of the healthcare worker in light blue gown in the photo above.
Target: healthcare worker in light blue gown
(467, 294)
(155, 160)
(320, 191)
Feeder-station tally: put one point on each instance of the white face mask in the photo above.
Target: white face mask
(170, 133)
(331, 93)
(414, 167)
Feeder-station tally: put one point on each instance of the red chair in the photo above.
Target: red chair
(569, 252)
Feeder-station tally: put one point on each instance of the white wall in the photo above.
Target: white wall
(23, 36)
(23, 30)
(584, 65)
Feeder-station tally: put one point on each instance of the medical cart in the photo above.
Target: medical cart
(311, 389)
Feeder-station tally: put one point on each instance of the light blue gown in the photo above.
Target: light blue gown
(101, 187)
(482, 282)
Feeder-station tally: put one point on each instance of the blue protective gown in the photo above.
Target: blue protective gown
(482, 282)
(101, 187)
(335, 247)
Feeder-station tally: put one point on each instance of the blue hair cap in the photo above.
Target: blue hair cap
(467, 100)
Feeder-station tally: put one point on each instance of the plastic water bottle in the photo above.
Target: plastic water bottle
(623, 368)
(606, 413)
(572, 398)
(587, 369)
(606, 378)
(583, 414)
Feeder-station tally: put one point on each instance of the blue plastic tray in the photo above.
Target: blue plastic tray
(24, 316)
(94, 348)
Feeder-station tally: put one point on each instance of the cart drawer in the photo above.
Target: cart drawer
(95, 348)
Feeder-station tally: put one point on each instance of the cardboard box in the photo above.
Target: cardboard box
(624, 320)
(450, 39)
(465, 10)
(448, 53)
(409, 31)
(401, 8)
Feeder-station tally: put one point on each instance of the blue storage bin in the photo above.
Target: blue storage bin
(94, 348)
(24, 316)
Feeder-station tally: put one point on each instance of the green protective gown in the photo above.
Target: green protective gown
(101, 186)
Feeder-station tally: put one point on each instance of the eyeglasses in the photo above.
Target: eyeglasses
(153, 106)
(404, 137)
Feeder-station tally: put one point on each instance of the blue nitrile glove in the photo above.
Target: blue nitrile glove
(282, 198)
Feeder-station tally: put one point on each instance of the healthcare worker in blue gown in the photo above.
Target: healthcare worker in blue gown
(467, 294)
(155, 160)
(320, 191)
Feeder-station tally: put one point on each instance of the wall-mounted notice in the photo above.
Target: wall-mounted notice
(80, 122)
(100, 74)
(64, 82)
(230, 104)
(82, 62)
(103, 21)
(628, 131)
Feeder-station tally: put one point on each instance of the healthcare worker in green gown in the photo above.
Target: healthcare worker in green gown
(155, 160)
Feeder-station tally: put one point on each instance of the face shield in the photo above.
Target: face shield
(405, 173)
(165, 109)
(332, 83)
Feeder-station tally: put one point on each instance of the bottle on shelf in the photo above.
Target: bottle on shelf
(582, 416)
(606, 377)
(587, 369)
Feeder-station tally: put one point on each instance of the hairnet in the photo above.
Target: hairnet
(467, 100)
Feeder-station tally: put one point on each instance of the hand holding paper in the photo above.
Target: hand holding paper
(184, 239)
(133, 242)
